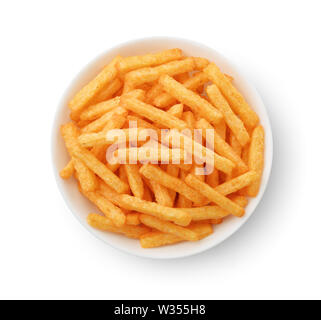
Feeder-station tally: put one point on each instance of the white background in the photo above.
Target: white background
(46, 253)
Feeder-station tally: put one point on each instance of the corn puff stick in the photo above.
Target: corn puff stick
(165, 99)
(214, 196)
(170, 182)
(148, 60)
(115, 214)
(234, 123)
(256, 159)
(102, 223)
(168, 227)
(140, 76)
(135, 180)
(191, 99)
(67, 171)
(157, 239)
(233, 96)
(93, 88)
(237, 183)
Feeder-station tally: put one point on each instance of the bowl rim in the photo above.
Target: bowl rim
(59, 181)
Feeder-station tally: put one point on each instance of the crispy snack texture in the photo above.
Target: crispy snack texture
(169, 112)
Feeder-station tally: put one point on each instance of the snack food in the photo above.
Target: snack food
(185, 180)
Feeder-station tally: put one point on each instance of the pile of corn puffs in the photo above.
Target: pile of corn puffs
(157, 202)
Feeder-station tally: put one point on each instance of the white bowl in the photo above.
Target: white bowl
(80, 206)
